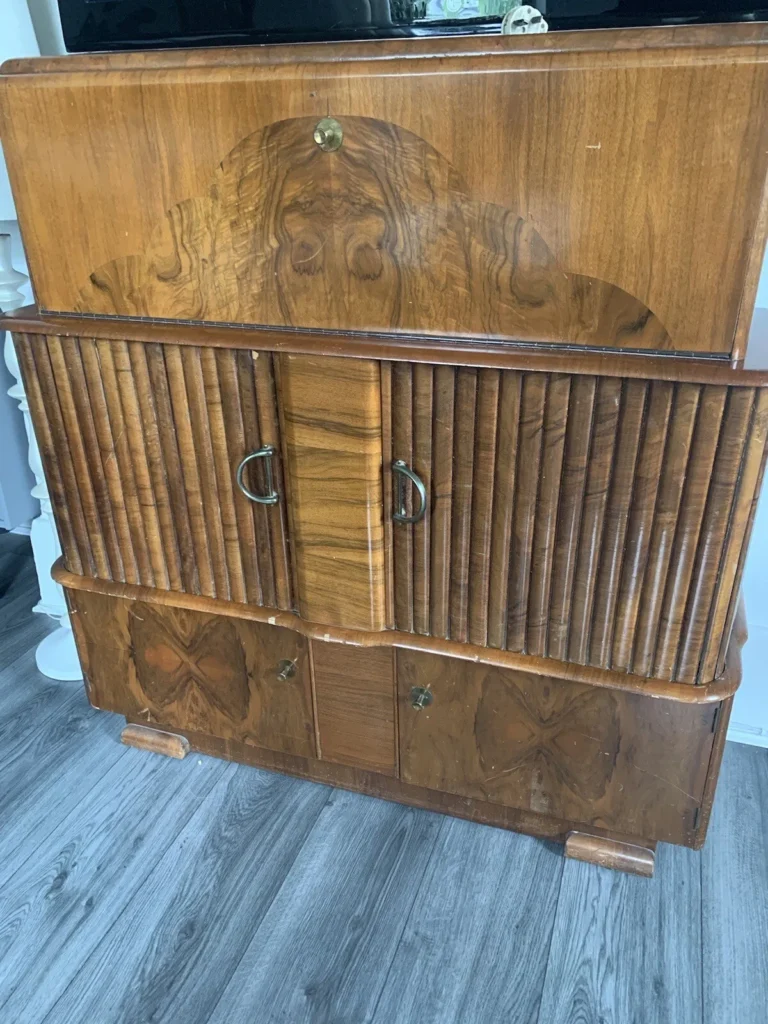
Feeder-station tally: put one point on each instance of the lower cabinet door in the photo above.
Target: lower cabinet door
(213, 674)
(617, 760)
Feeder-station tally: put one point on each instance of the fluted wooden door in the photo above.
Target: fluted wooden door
(141, 444)
(586, 519)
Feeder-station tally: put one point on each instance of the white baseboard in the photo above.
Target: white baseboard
(738, 733)
(25, 529)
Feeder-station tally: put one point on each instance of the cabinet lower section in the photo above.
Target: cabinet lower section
(522, 750)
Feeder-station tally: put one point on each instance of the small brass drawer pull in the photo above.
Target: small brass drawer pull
(328, 134)
(266, 453)
(286, 670)
(420, 697)
(403, 473)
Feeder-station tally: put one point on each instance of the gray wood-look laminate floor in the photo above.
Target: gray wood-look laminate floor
(136, 889)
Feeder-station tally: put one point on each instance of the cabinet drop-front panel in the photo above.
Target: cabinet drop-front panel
(589, 519)
(212, 674)
(608, 758)
(573, 190)
(140, 446)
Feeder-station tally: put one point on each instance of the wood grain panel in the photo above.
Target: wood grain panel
(355, 701)
(441, 501)
(461, 510)
(530, 435)
(331, 411)
(608, 521)
(140, 444)
(622, 761)
(173, 667)
(552, 446)
(623, 149)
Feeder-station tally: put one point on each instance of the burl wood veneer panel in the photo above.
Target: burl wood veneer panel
(167, 666)
(590, 519)
(355, 702)
(331, 416)
(140, 444)
(572, 193)
(617, 760)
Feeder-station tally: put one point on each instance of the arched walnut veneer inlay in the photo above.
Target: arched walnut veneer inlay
(382, 234)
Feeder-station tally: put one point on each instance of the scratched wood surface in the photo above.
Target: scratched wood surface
(141, 882)
(578, 203)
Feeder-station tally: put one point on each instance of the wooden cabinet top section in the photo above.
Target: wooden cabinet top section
(603, 189)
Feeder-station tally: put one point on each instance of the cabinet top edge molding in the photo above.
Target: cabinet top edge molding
(456, 352)
(642, 39)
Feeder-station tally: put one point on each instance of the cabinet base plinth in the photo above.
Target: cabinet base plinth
(155, 741)
(636, 859)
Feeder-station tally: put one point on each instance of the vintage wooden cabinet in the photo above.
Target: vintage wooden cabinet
(400, 410)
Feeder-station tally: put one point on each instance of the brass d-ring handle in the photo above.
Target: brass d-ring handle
(403, 473)
(266, 453)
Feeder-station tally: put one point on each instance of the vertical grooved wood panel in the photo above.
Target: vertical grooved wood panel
(140, 444)
(422, 463)
(641, 514)
(461, 510)
(124, 462)
(442, 500)
(530, 434)
(545, 526)
(157, 470)
(43, 431)
(503, 505)
(94, 386)
(607, 521)
(574, 481)
(62, 456)
(623, 478)
(486, 432)
(697, 482)
(170, 463)
(262, 514)
(717, 518)
(269, 426)
(387, 491)
(671, 483)
(604, 431)
(402, 438)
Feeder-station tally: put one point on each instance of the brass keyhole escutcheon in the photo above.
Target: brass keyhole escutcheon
(286, 670)
(420, 697)
(328, 134)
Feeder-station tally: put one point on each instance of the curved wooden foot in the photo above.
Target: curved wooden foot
(153, 739)
(621, 855)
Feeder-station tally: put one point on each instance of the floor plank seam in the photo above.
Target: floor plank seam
(406, 919)
(267, 908)
(551, 939)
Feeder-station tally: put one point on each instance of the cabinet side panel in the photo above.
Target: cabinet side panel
(333, 457)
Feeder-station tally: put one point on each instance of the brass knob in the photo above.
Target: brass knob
(286, 670)
(420, 697)
(328, 134)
